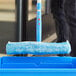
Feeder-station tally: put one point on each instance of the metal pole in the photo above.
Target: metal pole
(21, 19)
(47, 10)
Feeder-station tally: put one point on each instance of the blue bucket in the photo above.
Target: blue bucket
(38, 66)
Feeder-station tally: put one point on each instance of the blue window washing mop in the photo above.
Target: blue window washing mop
(38, 66)
(38, 48)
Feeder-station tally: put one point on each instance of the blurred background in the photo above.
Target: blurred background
(18, 22)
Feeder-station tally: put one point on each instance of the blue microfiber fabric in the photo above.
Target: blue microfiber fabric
(38, 48)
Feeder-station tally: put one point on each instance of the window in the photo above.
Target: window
(7, 10)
